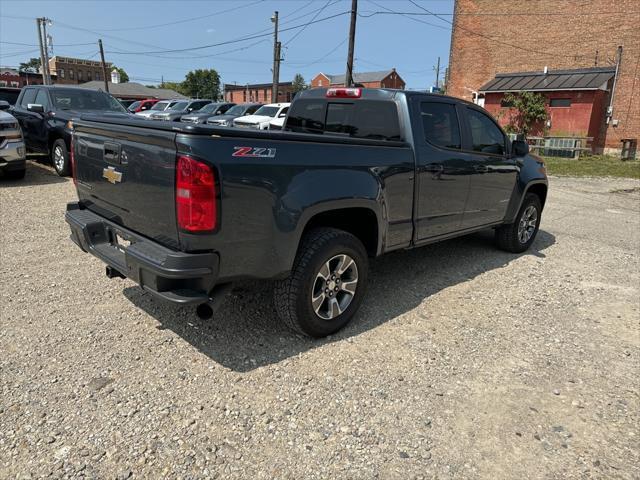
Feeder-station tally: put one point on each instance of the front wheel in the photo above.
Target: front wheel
(60, 158)
(518, 236)
(327, 283)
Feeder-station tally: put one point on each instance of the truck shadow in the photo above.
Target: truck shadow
(38, 173)
(246, 334)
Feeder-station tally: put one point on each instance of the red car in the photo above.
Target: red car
(142, 105)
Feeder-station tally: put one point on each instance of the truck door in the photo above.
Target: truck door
(32, 123)
(493, 174)
(442, 167)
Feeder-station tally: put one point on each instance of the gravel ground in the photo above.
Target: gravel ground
(464, 362)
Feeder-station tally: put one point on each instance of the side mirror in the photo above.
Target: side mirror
(190, 109)
(35, 107)
(282, 115)
(4, 105)
(519, 148)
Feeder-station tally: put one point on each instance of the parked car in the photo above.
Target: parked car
(9, 94)
(240, 110)
(12, 149)
(212, 109)
(44, 112)
(364, 172)
(277, 123)
(126, 103)
(142, 105)
(261, 118)
(160, 106)
(181, 108)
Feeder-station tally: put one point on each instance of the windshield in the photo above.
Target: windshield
(267, 111)
(209, 108)
(160, 106)
(237, 110)
(133, 106)
(80, 99)
(180, 106)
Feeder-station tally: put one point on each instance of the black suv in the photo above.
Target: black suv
(44, 111)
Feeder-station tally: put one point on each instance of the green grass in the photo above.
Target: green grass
(593, 166)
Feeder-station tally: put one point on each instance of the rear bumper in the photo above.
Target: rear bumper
(178, 277)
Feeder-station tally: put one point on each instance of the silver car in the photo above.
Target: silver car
(12, 150)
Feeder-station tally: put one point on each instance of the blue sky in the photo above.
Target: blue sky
(132, 34)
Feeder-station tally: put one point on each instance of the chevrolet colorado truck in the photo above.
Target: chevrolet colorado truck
(185, 210)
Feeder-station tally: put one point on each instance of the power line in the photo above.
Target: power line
(442, 27)
(57, 45)
(310, 22)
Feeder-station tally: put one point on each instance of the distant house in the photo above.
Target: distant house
(382, 79)
(576, 99)
(11, 77)
(133, 90)
(73, 71)
(257, 92)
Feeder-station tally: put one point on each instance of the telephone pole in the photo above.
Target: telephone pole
(104, 67)
(44, 72)
(276, 59)
(46, 48)
(438, 73)
(348, 78)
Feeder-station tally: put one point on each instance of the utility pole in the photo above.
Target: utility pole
(104, 67)
(46, 49)
(348, 78)
(438, 74)
(44, 72)
(276, 60)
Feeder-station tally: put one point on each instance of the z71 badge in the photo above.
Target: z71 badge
(254, 152)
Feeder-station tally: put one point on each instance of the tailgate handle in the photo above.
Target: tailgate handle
(111, 152)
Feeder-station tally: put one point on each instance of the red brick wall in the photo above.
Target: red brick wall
(531, 42)
(258, 94)
(393, 80)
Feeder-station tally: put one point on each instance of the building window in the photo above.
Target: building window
(98, 76)
(89, 76)
(14, 84)
(61, 73)
(71, 73)
(506, 103)
(3, 83)
(560, 102)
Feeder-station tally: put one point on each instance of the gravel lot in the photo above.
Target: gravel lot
(464, 362)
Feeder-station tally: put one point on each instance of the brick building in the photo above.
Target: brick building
(257, 92)
(381, 79)
(73, 71)
(11, 77)
(492, 37)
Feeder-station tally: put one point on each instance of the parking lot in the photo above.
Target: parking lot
(464, 362)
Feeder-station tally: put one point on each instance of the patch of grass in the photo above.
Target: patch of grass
(593, 166)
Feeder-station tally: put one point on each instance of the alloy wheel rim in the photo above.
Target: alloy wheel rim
(334, 287)
(58, 158)
(527, 224)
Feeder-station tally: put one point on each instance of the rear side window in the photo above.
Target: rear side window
(361, 119)
(28, 97)
(485, 134)
(440, 124)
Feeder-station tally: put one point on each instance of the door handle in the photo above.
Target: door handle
(482, 168)
(111, 152)
(434, 168)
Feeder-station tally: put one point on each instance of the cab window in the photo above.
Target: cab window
(440, 124)
(486, 137)
(43, 99)
(28, 97)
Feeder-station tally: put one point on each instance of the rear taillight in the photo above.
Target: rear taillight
(72, 159)
(344, 93)
(196, 207)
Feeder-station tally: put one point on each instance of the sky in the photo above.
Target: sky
(137, 34)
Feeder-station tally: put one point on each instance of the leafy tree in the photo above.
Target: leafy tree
(201, 83)
(175, 86)
(124, 78)
(298, 84)
(33, 63)
(527, 112)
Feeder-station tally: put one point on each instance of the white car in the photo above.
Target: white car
(277, 123)
(158, 107)
(261, 118)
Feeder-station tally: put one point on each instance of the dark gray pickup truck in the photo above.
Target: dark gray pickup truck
(186, 210)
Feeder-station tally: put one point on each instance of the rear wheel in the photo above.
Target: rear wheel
(327, 283)
(518, 236)
(60, 158)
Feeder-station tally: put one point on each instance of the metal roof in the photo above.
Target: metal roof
(595, 78)
(131, 89)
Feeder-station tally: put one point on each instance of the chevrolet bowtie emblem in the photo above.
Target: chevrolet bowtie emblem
(112, 175)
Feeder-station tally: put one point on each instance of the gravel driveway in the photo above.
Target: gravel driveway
(464, 361)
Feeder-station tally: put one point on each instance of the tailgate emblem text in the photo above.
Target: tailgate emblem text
(112, 175)
(254, 152)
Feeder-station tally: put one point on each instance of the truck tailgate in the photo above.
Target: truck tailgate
(127, 175)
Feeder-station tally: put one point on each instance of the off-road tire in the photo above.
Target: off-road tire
(292, 296)
(63, 169)
(507, 235)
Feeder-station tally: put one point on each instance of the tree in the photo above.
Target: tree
(201, 83)
(298, 84)
(175, 86)
(527, 112)
(124, 78)
(32, 64)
